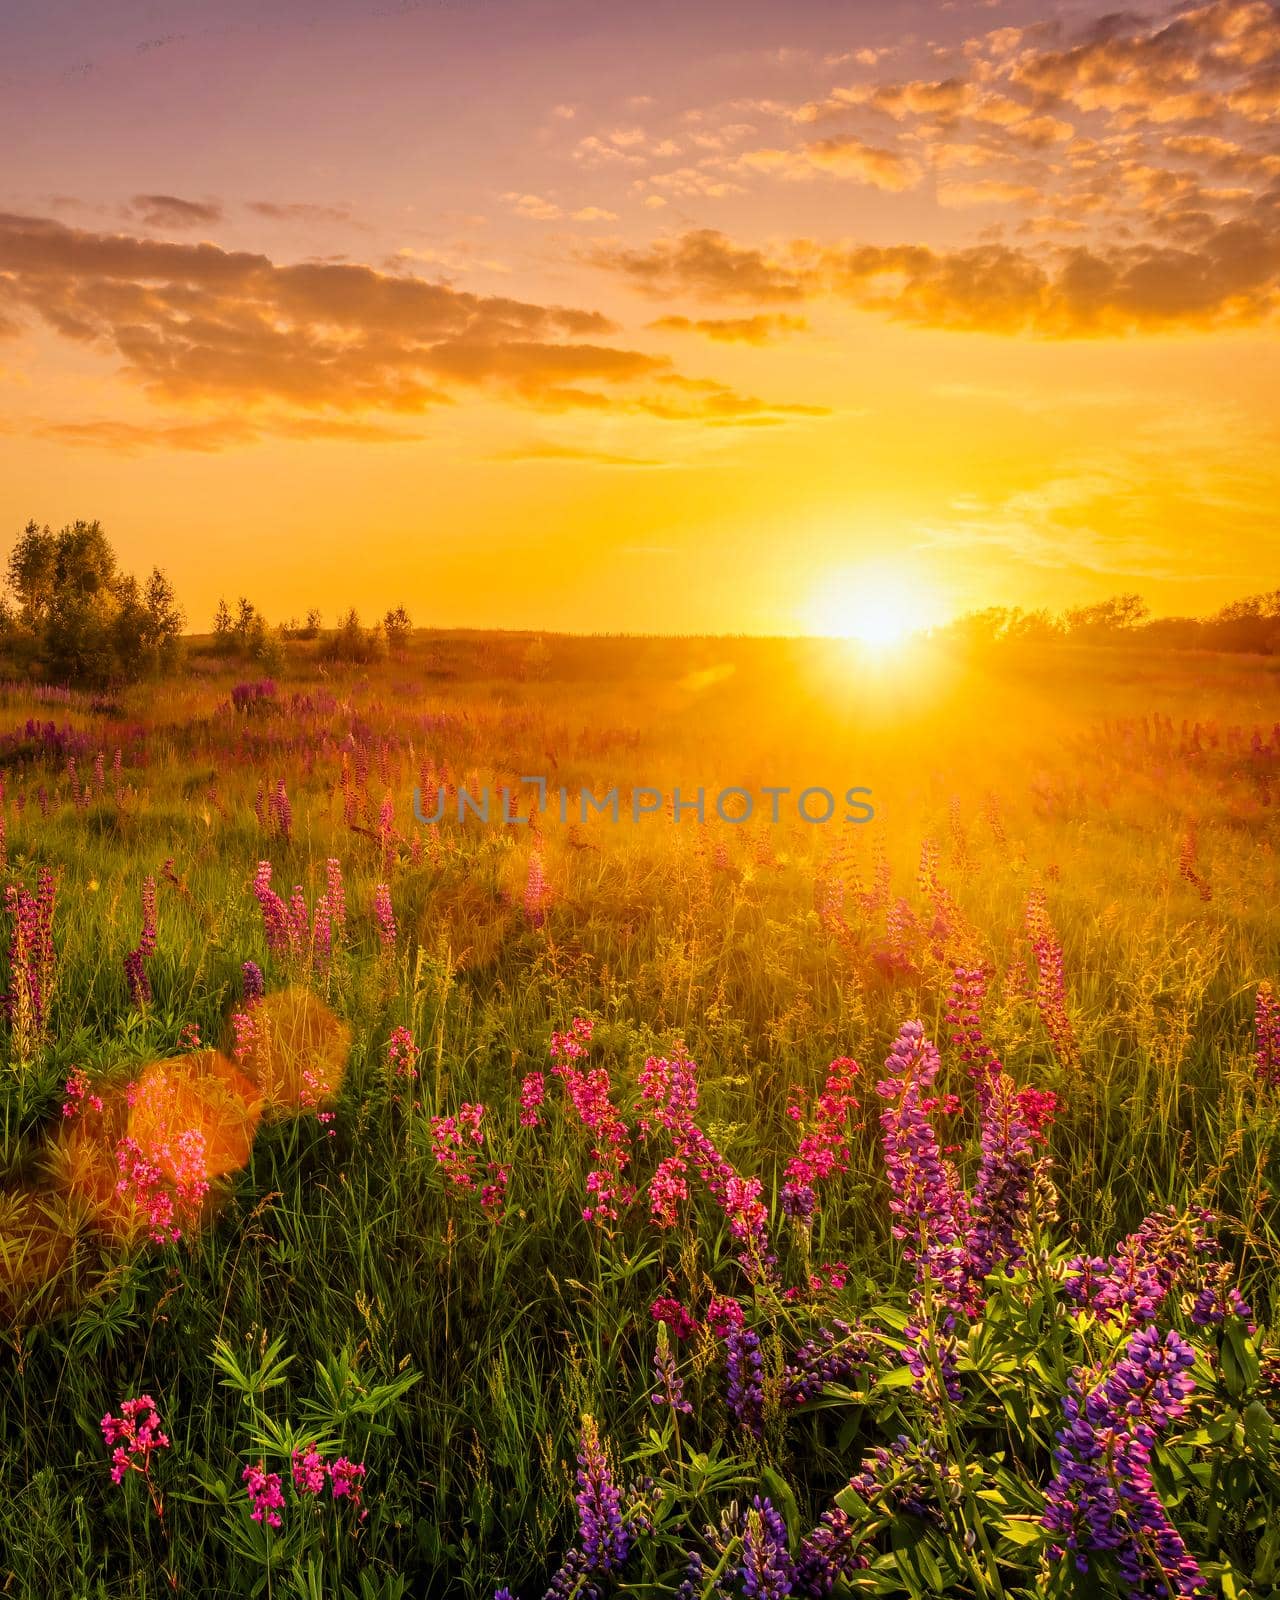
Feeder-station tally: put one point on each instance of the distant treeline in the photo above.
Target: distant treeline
(72, 615)
(1251, 625)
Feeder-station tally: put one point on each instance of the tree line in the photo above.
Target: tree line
(72, 614)
(1250, 625)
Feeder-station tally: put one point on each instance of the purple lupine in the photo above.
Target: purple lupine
(670, 1385)
(828, 1555)
(745, 1390)
(254, 983)
(825, 1360)
(1266, 1036)
(135, 969)
(930, 1208)
(1002, 1191)
(322, 934)
(604, 1536)
(1132, 1284)
(1102, 1500)
(765, 1570)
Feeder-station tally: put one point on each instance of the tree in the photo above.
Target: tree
(397, 625)
(79, 617)
(1117, 615)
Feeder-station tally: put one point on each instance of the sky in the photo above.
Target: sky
(592, 315)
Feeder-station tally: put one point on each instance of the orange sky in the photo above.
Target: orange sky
(581, 315)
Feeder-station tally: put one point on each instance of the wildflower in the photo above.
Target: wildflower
(384, 916)
(1050, 991)
(537, 892)
(766, 1571)
(136, 1435)
(927, 1202)
(450, 1138)
(253, 982)
(276, 922)
(265, 1495)
(244, 1032)
(402, 1053)
(670, 1386)
(345, 1480)
(533, 1090)
(189, 1038)
(823, 1148)
(745, 1367)
(1267, 1036)
(676, 1317)
(1102, 1499)
(336, 895)
(604, 1536)
(77, 1094)
(1002, 1192)
(834, 1356)
(31, 962)
(309, 1471)
(494, 1193)
(723, 1315)
(589, 1093)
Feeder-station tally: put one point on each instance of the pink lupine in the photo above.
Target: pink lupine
(275, 914)
(31, 962)
(1050, 984)
(670, 1090)
(337, 895)
(384, 916)
(824, 1147)
(244, 1031)
(537, 892)
(589, 1093)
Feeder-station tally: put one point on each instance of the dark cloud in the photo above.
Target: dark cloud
(299, 211)
(168, 211)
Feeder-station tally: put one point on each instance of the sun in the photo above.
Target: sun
(877, 609)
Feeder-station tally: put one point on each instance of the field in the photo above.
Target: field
(375, 1241)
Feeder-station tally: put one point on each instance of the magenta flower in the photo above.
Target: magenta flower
(266, 1498)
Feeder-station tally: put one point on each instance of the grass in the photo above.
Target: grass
(453, 1355)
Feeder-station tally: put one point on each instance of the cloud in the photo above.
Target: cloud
(534, 207)
(846, 157)
(298, 211)
(594, 214)
(707, 263)
(200, 325)
(760, 329)
(1232, 278)
(210, 435)
(1229, 277)
(168, 211)
(543, 451)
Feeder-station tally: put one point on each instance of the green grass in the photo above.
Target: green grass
(352, 1254)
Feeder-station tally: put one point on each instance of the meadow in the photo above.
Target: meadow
(661, 1206)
